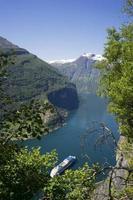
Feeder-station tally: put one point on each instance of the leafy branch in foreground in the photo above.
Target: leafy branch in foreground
(72, 185)
(117, 84)
(117, 76)
(128, 7)
(26, 122)
(23, 173)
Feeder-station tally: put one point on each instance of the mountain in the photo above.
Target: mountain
(30, 77)
(81, 71)
(5, 44)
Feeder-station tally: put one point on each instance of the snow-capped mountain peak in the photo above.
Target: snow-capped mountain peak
(81, 71)
(90, 56)
(96, 57)
(63, 61)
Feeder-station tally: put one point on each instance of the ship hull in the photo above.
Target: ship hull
(59, 169)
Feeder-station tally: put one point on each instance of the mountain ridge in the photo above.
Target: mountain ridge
(30, 78)
(92, 56)
(4, 43)
(81, 71)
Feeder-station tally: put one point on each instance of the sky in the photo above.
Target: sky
(59, 29)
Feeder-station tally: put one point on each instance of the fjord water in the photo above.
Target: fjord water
(73, 138)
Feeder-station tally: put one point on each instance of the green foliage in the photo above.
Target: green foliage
(31, 78)
(127, 149)
(26, 122)
(23, 172)
(73, 185)
(128, 8)
(117, 85)
(4, 61)
(117, 76)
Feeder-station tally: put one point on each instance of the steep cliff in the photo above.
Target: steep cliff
(118, 184)
(64, 98)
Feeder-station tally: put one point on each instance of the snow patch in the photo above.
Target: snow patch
(98, 57)
(90, 56)
(62, 61)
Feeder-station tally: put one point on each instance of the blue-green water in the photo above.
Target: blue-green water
(68, 140)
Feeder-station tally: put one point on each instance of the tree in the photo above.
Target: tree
(117, 84)
(5, 59)
(128, 8)
(72, 185)
(22, 172)
(26, 121)
(117, 73)
(117, 76)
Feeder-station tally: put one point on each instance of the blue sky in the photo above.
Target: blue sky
(58, 29)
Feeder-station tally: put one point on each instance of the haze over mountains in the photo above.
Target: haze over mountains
(30, 78)
(81, 71)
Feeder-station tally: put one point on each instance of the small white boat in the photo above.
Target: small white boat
(62, 166)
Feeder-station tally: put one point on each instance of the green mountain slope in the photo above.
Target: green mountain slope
(30, 77)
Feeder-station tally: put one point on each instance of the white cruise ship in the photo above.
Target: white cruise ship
(62, 166)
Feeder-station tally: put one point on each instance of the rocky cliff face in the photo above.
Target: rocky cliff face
(81, 71)
(113, 187)
(64, 98)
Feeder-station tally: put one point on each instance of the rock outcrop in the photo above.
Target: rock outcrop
(64, 98)
(81, 71)
(116, 181)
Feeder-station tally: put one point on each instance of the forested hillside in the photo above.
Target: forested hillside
(29, 77)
